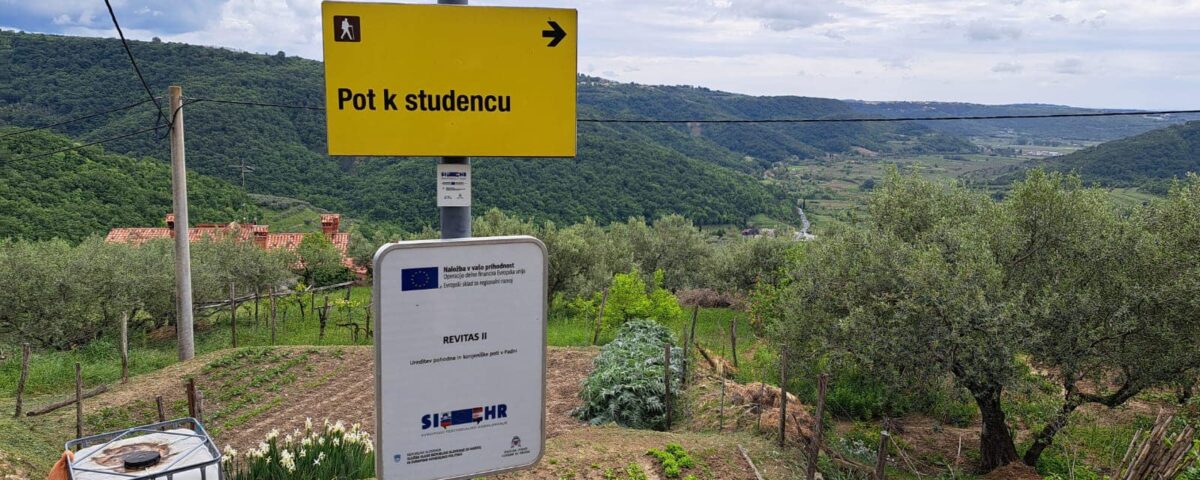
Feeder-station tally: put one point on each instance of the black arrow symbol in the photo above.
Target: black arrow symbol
(557, 33)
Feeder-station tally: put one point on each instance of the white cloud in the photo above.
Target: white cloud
(1007, 67)
(981, 30)
(1069, 66)
(1147, 53)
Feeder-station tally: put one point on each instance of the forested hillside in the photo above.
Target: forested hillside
(706, 173)
(1149, 159)
(1033, 130)
(76, 194)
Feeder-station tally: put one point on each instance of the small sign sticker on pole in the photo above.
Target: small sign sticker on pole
(453, 185)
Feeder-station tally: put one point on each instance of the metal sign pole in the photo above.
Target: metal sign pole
(455, 221)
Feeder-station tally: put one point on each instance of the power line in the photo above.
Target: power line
(896, 119)
(76, 119)
(253, 104)
(97, 142)
(783, 120)
(129, 53)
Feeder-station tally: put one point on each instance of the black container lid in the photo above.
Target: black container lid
(141, 459)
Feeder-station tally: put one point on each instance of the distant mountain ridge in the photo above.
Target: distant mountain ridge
(1099, 129)
(709, 173)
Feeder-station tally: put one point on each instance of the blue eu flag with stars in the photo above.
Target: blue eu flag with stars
(418, 278)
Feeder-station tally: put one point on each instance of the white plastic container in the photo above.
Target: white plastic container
(146, 452)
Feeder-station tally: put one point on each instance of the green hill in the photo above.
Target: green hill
(88, 191)
(1148, 159)
(707, 173)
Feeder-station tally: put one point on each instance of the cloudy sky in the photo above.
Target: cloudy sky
(1095, 53)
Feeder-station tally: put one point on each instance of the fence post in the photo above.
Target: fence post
(78, 401)
(814, 448)
(599, 318)
(24, 376)
(881, 456)
(783, 399)
(162, 413)
(667, 379)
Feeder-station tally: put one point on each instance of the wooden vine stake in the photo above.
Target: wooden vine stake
(190, 392)
(124, 348)
(881, 456)
(162, 413)
(721, 409)
(814, 448)
(783, 399)
(599, 318)
(733, 339)
(233, 314)
(667, 381)
(78, 401)
(24, 376)
(687, 345)
(273, 317)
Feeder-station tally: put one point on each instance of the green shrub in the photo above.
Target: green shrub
(627, 386)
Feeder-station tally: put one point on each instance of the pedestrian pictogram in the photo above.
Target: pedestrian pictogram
(346, 29)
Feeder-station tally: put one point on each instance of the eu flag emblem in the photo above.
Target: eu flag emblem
(418, 278)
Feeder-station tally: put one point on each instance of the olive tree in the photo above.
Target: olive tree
(1111, 295)
(944, 281)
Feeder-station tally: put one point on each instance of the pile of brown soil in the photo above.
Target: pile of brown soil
(1013, 471)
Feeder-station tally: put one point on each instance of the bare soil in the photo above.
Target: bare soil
(336, 383)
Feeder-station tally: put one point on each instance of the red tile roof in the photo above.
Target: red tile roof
(288, 241)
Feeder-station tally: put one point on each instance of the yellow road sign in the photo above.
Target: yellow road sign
(444, 80)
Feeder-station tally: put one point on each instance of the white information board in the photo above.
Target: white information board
(453, 185)
(460, 357)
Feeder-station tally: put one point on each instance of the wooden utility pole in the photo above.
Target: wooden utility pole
(124, 347)
(233, 313)
(24, 376)
(599, 318)
(814, 448)
(78, 401)
(183, 254)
